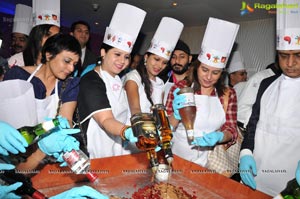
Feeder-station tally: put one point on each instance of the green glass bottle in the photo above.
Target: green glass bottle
(292, 191)
(30, 133)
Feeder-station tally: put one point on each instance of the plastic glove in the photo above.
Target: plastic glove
(59, 141)
(298, 173)
(177, 103)
(209, 139)
(6, 191)
(80, 192)
(129, 135)
(63, 122)
(247, 170)
(11, 140)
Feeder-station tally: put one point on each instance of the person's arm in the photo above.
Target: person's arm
(230, 127)
(32, 162)
(67, 111)
(133, 96)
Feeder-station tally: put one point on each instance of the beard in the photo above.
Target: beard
(180, 69)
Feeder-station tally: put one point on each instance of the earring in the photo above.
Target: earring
(145, 62)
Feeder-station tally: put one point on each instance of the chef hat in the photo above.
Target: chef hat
(22, 19)
(288, 26)
(124, 27)
(166, 37)
(217, 42)
(236, 63)
(46, 12)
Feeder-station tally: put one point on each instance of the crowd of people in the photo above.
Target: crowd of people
(66, 80)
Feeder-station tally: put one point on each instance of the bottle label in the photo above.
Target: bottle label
(48, 125)
(189, 99)
(71, 157)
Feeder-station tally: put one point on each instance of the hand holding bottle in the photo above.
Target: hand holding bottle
(298, 173)
(7, 191)
(80, 192)
(177, 103)
(208, 139)
(247, 170)
(130, 136)
(11, 140)
(59, 141)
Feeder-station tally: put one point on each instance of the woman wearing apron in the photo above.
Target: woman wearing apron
(143, 86)
(212, 125)
(59, 56)
(102, 101)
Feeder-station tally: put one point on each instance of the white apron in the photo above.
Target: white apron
(277, 137)
(17, 103)
(210, 116)
(46, 107)
(100, 143)
(157, 93)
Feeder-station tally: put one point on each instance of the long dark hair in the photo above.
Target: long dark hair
(220, 85)
(141, 69)
(34, 43)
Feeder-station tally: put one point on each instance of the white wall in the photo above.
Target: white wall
(255, 39)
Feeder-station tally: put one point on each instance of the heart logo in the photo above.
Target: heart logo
(287, 38)
(113, 38)
(129, 44)
(40, 17)
(208, 55)
(162, 49)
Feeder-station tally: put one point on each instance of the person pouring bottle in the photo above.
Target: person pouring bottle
(213, 123)
(102, 101)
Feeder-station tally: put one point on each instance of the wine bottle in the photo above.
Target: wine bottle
(11, 177)
(143, 127)
(163, 125)
(79, 163)
(292, 191)
(30, 133)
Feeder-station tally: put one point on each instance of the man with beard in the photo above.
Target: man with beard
(180, 62)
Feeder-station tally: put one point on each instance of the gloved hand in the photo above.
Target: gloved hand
(6, 191)
(58, 142)
(11, 140)
(129, 135)
(80, 193)
(209, 139)
(177, 103)
(298, 173)
(63, 122)
(247, 169)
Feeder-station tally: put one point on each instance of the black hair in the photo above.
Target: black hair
(220, 85)
(34, 43)
(141, 69)
(80, 22)
(58, 43)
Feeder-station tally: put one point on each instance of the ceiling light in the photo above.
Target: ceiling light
(174, 4)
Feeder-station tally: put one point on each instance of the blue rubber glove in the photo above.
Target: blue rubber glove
(80, 193)
(59, 141)
(63, 122)
(7, 191)
(177, 103)
(247, 170)
(298, 173)
(11, 140)
(209, 139)
(129, 135)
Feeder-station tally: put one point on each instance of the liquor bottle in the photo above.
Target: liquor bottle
(188, 112)
(31, 133)
(163, 125)
(292, 191)
(79, 163)
(11, 177)
(143, 127)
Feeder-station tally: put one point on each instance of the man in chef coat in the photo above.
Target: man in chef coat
(270, 150)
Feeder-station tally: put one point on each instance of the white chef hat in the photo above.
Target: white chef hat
(217, 42)
(22, 19)
(288, 26)
(236, 63)
(166, 37)
(124, 27)
(46, 12)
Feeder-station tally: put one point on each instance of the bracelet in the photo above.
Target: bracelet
(122, 132)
